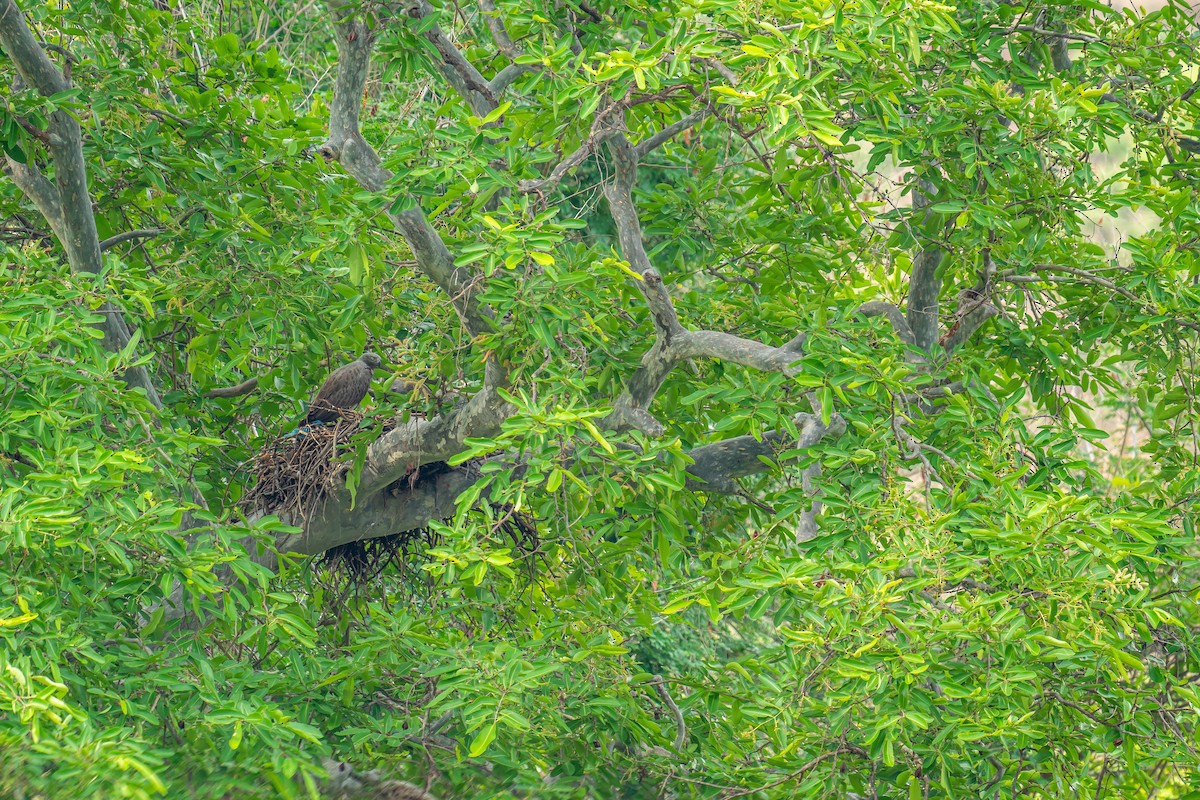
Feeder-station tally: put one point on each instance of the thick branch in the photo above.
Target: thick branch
(30, 59)
(347, 146)
(66, 204)
(969, 321)
(925, 286)
(505, 77)
(735, 349)
(245, 387)
(420, 441)
(30, 180)
(491, 16)
(717, 466)
(673, 343)
(402, 506)
(455, 67)
(878, 308)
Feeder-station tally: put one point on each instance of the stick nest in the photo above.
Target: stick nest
(297, 471)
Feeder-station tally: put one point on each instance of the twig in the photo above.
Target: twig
(1077, 37)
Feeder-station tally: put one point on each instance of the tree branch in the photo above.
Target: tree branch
(1075, 37)
(666, 134)
(680, 728)
(491, 17)
(878, 308)
(1011, 275)
(66, 204)
(460, 72)
(505, 77)
(347, 146)
(604, 127)
(421, 441)
(120, 238)
(717, 466)
(673, 342)
(925, 287)
(735, 349)
(245, 387)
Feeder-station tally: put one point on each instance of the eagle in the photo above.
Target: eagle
(344, 389)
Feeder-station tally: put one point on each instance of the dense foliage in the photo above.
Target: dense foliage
(966, 238)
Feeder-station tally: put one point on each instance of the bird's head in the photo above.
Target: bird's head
(371, 360)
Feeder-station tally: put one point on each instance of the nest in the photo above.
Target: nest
(296, 472)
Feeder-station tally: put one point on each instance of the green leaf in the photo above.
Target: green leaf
(482, 740)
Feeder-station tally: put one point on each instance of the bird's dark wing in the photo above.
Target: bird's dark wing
(344, 388)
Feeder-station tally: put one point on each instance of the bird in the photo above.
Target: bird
(344, 389)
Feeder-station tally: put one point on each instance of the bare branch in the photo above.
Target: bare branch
(405, 504)
(347, 146)
(491, 16)
(113, 241)
(30, 180)
(460, 72)
(419, 442)
(1010, 275)
(245, 387)
(425, 441)
(718, 465)
(680, 728)
(925, 287)
(806, 529)
(666, 134)
(878, 308)
(608, 123)
(505, 77)
(725, 72)
(30, 59)
(66, 204)
(564, 167)
(673, 342)
(1075, 37)
(1140, 113)
(735, 349)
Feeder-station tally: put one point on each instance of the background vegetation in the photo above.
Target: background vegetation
(926, 529)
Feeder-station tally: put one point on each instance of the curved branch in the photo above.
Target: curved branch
(660, 687)
(66, 204)
(455, 67)
(347, 146)
(405, 505)
(735, 349)
(245, 387)
(418, 442)
(878, 308)
(505, 77)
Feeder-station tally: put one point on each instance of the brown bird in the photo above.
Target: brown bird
(343, 389)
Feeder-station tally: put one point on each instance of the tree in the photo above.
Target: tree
(754, 370)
